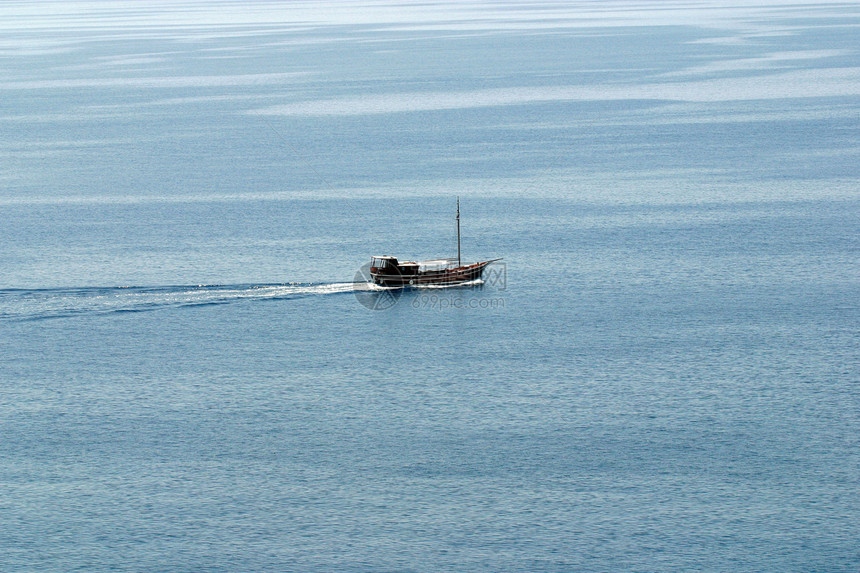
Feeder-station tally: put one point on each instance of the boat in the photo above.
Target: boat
(386, 270)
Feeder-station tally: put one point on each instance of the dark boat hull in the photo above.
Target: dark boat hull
(443, 277)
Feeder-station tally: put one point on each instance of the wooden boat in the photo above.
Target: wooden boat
(386, 270)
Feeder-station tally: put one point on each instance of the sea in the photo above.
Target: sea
(661, 374)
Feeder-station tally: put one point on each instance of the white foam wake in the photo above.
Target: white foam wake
(37, 304)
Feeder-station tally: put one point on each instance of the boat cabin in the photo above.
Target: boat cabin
(386, 265)
(383, 264)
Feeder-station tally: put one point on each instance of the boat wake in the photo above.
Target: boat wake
(41, 304)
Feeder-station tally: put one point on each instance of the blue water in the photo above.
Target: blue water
(662, 375)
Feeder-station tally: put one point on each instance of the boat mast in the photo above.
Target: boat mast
(459, 264)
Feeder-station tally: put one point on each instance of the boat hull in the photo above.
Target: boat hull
(442, 277)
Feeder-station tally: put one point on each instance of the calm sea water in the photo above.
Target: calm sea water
(662, 374)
